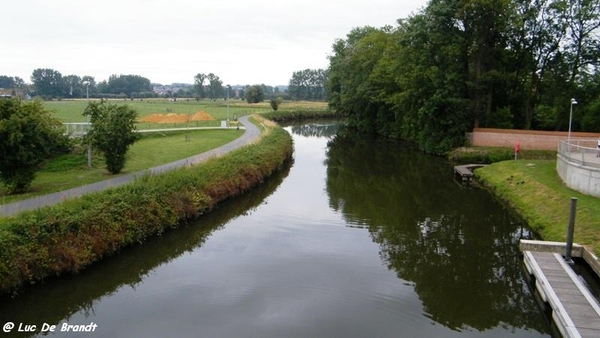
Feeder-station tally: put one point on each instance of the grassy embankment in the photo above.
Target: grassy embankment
(536, 192)
(66, 238)
(70, 170)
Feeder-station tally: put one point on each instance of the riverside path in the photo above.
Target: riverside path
(251, 134)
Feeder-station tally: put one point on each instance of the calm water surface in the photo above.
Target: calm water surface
(356, 238)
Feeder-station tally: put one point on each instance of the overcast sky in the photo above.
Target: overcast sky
(241, 41)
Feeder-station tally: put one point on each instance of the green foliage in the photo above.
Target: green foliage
(254, 94)
(67, 238)
(274, 104)
(294, 115)
(591, 119)
(28, 136)
(503, 118)
(456, 65)
(308, 84)
(48, 83)
(488, 155)
(112, 132)
(126, 84)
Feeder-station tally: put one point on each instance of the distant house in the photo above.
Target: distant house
(5, 93)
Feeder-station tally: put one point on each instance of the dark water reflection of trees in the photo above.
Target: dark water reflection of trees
(458, 246)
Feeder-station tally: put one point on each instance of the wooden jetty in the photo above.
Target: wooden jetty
(575, 311)
(466, 171)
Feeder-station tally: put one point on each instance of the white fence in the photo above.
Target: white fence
(581, 151)
(578, 165)
(78, 129)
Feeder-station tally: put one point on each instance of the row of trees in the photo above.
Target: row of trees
(309, 84)
(459, 64)
(50, 83)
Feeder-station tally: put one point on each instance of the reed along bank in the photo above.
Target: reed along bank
(66, 238)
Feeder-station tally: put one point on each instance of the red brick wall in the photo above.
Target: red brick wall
(528, 139)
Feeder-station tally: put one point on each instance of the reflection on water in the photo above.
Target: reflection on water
(458, 246)
(358, 238)
(59, 298)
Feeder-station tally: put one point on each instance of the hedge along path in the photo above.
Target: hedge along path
(251, 134)
(66, 238)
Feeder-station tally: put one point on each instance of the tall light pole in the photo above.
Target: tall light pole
(573, 102)
(89, 149)
(228, 106)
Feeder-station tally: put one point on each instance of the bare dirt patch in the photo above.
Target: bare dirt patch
(177, 118)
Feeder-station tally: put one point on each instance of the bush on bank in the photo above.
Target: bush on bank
(294, 115)
(488, 155)
(68, 237)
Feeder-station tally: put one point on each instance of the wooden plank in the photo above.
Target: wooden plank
(575, 311)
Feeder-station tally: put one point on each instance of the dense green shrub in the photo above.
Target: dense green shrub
(289, 115)
(28, 136)
(488, 155)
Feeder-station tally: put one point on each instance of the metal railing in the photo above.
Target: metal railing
(77, 129)
(581, 151)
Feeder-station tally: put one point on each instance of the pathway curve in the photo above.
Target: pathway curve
(251, 134)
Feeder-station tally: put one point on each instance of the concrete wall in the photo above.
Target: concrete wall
(585, 179)
(528, 139)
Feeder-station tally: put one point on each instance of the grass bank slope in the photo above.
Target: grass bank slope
(536, 192)
(66, 238)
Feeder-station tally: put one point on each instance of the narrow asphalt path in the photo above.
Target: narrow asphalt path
(251, 134)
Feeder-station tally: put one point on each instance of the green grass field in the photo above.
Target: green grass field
(536, 191)
(69, 111)
(72, 110)
(70, 170)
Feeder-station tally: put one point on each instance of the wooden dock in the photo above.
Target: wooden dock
(466, 171)
(575, 311)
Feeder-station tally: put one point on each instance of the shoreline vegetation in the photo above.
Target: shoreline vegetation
(66, 238)
(531, 187)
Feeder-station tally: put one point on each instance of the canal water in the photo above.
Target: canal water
(355, 238)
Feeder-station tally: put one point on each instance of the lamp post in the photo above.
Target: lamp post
(89, 149)
(227, 106)
(228, 102)
(573, 102)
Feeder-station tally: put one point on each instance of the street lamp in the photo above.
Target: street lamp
(227, 106)
(573, 102)
(89, 149)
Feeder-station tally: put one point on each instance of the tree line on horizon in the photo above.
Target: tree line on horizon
(460, 64)
(50, 84)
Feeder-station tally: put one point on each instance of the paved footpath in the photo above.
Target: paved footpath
(251, 134)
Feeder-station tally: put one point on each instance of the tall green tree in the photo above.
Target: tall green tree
(28, 136)
(126, 84)
(308, 84)
(459, 64)
(199, 80)
(254, 94)
(112, 132)
(6, 81)
(215, 86)
(48, 82)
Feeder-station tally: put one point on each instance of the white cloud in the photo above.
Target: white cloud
(243, 42)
